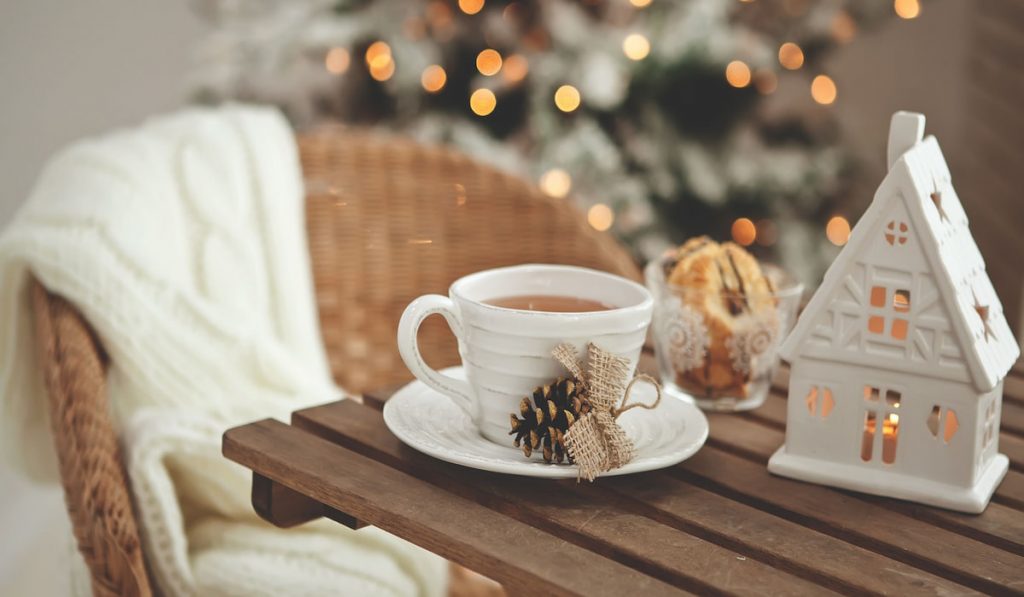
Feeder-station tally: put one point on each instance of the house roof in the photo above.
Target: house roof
(986, 342)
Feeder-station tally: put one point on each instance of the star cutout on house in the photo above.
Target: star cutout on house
(983, 314)
(937, 200)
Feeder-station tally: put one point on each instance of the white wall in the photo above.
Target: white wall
(70, 69)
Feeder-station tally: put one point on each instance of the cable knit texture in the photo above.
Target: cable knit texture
(183, 244)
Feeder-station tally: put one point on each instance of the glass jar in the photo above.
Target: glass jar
(718, 349)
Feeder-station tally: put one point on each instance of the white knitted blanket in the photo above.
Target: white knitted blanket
(183, 243)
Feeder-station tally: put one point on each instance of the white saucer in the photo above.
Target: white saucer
(431, 423)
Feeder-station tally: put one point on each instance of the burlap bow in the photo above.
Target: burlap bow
(596, 442)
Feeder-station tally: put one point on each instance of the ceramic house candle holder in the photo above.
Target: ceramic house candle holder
(899, 358)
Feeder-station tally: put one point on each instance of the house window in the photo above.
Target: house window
(893, 313)
(881, 424)
(896, 232)
(989, 432)
(946, 422)
(820, 401)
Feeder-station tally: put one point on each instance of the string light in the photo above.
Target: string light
(471, 7)
(567, 98)
(512, 11)
(439, 14)
(514, 68)
(791, 56)
(907, 9)
(378, 58)
(838, 230)
(640, 3)
(765, 81)
(433, 78)
(383, 73)
(844, 28)
(336, 61)
(488, 62)
(744, 232)
(556, 182)
(636, 46)
(482, 102)
(737, 73)
(823, 89)
(600, 217)
(378, 54)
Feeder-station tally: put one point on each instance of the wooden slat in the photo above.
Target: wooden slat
(777, 540)
(453, 527)
(755, 442)
(841, 514)
(584, 515)
(1011, 418)
(285, 508)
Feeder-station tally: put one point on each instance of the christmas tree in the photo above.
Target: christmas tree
(650, 114)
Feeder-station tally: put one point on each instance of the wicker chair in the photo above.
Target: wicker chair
(388, 219)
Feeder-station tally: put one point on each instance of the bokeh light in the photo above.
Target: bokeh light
(838, 230)
(515, 68)
(433, 78)
(744, 232)
(378, 54)
(556, 182)
(737, 73)
(383, 72)
(844, 28)
(337, 60)
(471, 7)
(640, 3)
(600, 217)
(636, 46)
(482, 102)
(567, 98)
(766, 81)
(907, 9)
(823, 89)
(767, 233)
(488, 62)
(791, 56)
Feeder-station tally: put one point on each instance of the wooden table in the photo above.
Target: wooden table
(718, 523)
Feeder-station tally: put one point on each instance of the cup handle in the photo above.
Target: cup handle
(408, 346)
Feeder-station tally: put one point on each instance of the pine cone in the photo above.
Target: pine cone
(544, 423)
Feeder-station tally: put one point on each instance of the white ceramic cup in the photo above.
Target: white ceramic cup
(506, 353)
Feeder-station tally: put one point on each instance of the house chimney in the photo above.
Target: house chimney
(906, 129)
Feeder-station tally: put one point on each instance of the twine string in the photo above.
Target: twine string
(623, 407)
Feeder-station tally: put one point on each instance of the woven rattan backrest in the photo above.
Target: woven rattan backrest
(95, 484)
(390, 219)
